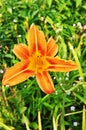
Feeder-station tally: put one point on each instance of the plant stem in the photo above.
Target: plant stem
(84, 119)
(79, 68)
(4, 96)
(5, 126)
(39, 120)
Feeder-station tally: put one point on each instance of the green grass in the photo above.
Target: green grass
(25, 106)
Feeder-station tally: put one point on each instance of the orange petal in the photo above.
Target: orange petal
(52, 47)
(21, 51)
(60, 65)
(37, 42)
(17, 74)
(45, 82)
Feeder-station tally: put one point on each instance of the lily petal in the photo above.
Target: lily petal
(21, 51)
(37, 42)
(60, 65)
(52, 47)
(17, 74)
(45, 82)
(42, 45)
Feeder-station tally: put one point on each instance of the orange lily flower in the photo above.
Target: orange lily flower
(37, 59)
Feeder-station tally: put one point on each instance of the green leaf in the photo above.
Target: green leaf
(34, 125)
(49, 20)
(49, 2)
(84, 6)
(8, 56)
(78, 2)
(80, 98)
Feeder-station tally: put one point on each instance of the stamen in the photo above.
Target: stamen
(38, 63)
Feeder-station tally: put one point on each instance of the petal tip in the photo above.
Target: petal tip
(32, 25)
(50, 91)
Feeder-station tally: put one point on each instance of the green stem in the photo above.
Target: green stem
(76, 59)
(79, 68)
(4, 96)
(5, 126)
(73, 113)
(54, 124)
(84, 119)
(39, 120)
(63, 113)
(26, 122)
(74, 87)
(45, 97)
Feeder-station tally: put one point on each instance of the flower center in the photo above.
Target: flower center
(38, 63)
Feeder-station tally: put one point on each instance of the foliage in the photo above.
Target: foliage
(25, 106)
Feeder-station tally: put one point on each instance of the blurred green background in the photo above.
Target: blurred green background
(25, 106)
